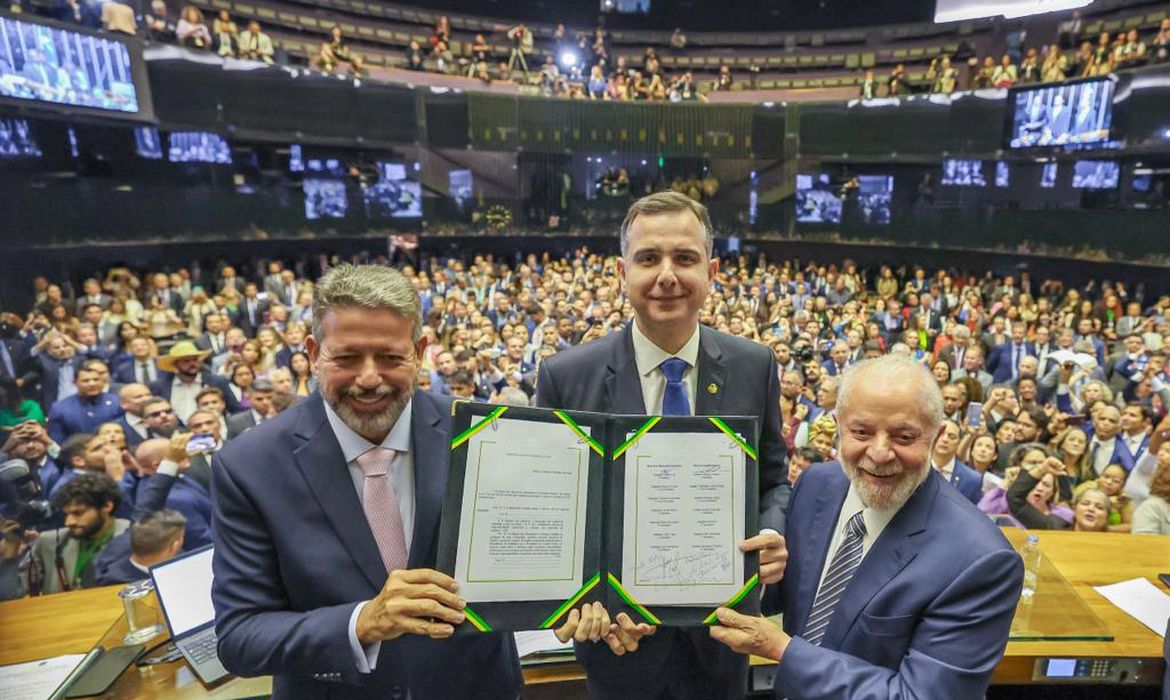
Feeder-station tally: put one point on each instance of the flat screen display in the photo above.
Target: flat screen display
(1141, 183)
(17, 140)
(59, 66)
(148, 143)
(1003, 174)
(1048, 176)
(1065, 114)
(460, 187)
(325, 199)
(296, 163)
(873, 197)
(626, 7)
(816, 200)
(959, 10)
(184, 588)
(393, 196)
(1096, 174)
(963, 172)
(198, 147)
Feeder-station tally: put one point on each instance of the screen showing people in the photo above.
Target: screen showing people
(1048, 176)
(873, 198)
(1070, 113)
(148, 143)
(461, 187)
(817, 201)
(48, 64)
(963, 172)
(1003, 174)
(17, 140)
(199, 147)
(393, 195)
(325, 199)
(1096, 174)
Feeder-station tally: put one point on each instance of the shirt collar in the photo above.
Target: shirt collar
(875, 520)
(354, 445)
(648, 356)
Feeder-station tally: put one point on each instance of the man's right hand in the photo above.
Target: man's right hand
(413, 601)
(177, 449)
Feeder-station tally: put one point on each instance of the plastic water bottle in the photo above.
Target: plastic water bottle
(1031, 554)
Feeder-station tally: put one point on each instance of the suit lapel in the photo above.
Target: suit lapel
(429, 444)
(622, 383)
(893, 550)
(323, 467)
(820, 534)
(712, 374)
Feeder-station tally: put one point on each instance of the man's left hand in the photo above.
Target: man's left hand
(773, 555)
(749, 635)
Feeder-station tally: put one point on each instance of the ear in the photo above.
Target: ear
(421, 345)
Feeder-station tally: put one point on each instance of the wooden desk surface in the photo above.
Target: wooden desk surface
(71, 623)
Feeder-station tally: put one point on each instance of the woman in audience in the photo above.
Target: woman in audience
(942, 372)
(268, 344)
(1092, 511)
(1111, 482)
(302, 372)
(1090, 392)
(1152, 517)
(192, 31)
(1032, 498)
(241, 379)
(119, 352)
(63, 321)
(596, 85)
(225, 33)
(14, 408)
(198, 308)
(1072, 447)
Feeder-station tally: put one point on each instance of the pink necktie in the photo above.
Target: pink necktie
(380, 504)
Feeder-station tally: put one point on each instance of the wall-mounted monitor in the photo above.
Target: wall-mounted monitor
(874, 193)
(198, 147)
(963, 172)
(148, 143)
(460, 186)
(626, 7)
(1048, 176)
(393, 196)
(325, 199)
(296, 163)
(59, 66)
(17, 140)
(1096, 174)
(817, 201)
(1078, 112)
(1003, 174)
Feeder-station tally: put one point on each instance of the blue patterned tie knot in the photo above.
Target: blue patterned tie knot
(674, 399)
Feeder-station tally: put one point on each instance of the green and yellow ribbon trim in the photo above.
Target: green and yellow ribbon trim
(636, 436)
(580, 433)
(467, 434)
(617, 586)
(748, 449)
(734, 600)
(476, 621)
(568, 604)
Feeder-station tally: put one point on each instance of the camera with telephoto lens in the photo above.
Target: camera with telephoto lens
(804, 354)
(21, 497)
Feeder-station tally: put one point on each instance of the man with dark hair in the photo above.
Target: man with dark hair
(1134, 438)
(462, 385)
(64, 559)
(260, 396)
(159, 417)
(184, 376)
(85, 410)
(150, 541)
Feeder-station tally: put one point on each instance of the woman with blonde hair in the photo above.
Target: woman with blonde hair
(1152, 517)
(1072, 447)
(1111, 482)
(822, 434)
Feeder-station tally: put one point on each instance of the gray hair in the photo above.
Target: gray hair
(156, 532)
(511, 396)
(369, 287)
(667, 203)
(896, 370)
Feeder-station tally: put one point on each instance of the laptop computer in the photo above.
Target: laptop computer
(183, 585)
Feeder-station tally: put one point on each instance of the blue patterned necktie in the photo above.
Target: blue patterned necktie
(845, 563)
(674, 400)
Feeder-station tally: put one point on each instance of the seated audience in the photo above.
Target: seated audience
(64, 560)
(150, 541)
(191, 30)
(255, 44)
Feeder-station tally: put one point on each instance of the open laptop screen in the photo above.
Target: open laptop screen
(184, 589)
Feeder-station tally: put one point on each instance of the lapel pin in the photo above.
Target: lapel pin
(712, 388)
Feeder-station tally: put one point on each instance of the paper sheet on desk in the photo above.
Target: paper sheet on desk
(537, 641)
(1141, 600)
(36, 680)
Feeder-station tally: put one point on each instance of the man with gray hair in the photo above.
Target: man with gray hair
(327, 518)
(874, 535)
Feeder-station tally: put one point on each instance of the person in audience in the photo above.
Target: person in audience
(1160, 46)
(255, 45)
(224, 33)
(86, 409)
(1111, 482)
(945, 77)
(154, 539)
(14, 408)
(302, 373)
(64, 560)
(1092, 511)
(869, 86)
(168, 464)
(260, 401)
(159, 417)
(1152, 517)
(1032, 497)
(956, 473)
(1131, 53)
(191, 30)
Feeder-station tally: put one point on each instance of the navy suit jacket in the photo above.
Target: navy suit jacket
(74, 415)
(999, 362)
(926, 614)
(602, 376)
(968, 481)
(127, 372)
(162, 388)
(180, 493)
(294, 556)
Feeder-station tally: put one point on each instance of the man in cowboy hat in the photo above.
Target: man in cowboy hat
(183, 376)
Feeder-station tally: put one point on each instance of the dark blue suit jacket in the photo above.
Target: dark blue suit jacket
(968, 481)
(602, 376)
(76, 415)
(162, 388)
(127, 372)
(999, 362)
(294, 556)
(180, 493)
(927, 612)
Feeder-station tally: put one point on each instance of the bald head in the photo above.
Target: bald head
(895, 371)
(133, 397)
(150, 453)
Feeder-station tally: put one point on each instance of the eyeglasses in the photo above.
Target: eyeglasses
(164, 412)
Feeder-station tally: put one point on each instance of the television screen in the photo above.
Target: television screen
(1048, 176)
(816, 201)
(295, 162)
(460, 187)
(627, 7)
(325, 199)
(960, 10)
(199, 147)
(17, 140)
(963, 172)
(147, 142)
(59, 66)
(1003, 175)
(1096, 174)
(1141, 183)
(1065, 114)
(873, 197)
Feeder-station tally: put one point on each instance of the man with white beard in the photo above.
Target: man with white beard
(896, 585)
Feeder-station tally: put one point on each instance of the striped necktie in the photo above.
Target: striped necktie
(844, 564)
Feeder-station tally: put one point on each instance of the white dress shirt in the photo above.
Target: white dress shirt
(1137, 485)
(648, 357)
(875, 523)
(183, 397)
(1134, 443)
(401, 480)
(138, 425)
(1104, 453)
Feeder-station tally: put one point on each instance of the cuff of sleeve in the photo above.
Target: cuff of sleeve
(768, 531)
(366, 658)
(168, 468)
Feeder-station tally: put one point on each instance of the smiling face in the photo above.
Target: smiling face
(666, 271)
(366, 363)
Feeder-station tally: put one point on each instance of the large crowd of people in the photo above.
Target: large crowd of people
(1056, 395)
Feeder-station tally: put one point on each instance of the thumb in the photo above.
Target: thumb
(730, 618)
